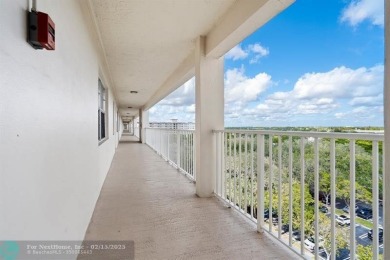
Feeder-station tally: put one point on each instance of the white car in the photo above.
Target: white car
(310, 244)
(343, 220)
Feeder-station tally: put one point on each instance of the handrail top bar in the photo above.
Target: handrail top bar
(170, 129)
(352, 136)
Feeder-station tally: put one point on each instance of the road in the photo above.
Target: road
(363, 239)
(340, 204)
(360, 231)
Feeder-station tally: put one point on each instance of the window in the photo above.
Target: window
(102, 112)
(117, 121)
(113, 118)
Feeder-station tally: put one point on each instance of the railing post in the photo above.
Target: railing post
(260, 183)
(194, 155)
(165, 144)
(217, 162)
(386, 143)
(169, 147)
(302, 162)
(290, 189)
(186, 152)
(223, 171)
(352, 211)
(280, 186)
(178, 149)
(160, 141)
(375, 198)
(316, 197)
(270, 180)
(333, 195)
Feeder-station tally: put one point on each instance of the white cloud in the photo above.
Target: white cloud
(276, 108)
(360, 10)
(315, 106)
(338, 95)
(258, 51)
(183, 96)
(341, 82)
(323, 93)
(190, 109)
(361, 114)
(340, 115)
(255, 51)
(237, 53)
(180, 105)
(241, 89)
(257, 48)
(166, 113)
(367, 101)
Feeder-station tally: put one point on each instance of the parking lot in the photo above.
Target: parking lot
(363, 239)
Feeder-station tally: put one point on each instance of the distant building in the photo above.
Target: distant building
(173, 125)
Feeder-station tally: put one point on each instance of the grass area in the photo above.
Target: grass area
(365, 223)
(340, 212)
(359, 221)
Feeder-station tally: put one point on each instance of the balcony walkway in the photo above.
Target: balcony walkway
(146, 200)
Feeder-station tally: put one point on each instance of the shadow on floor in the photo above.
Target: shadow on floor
(129, 141)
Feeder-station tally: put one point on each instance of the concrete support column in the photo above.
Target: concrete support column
(143, 124)
(132, 125)
(386, 94)
(140, 125)
(209, 101)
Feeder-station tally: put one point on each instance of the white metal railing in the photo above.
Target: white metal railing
(175, 146)
(278, 179)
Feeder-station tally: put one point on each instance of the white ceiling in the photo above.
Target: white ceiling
(146, 40)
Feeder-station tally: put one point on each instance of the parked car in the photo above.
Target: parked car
(285, 228)
(274, 215)
(296, 235)
(380, 234)
(310, 243)
(266, 214)
(343, 220)
(346, 209)
(323, 254)
(364, 213)
(275, 218)
(323, 209)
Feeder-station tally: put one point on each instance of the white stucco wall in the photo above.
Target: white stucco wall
(51, 166)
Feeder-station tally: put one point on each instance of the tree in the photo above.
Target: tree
(343, 191)
(365, 252)
(342, 234)
(324, 184)
(296, 206)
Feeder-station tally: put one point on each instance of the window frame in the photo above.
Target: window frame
(102, 110)
(117, 121)
(113, 118)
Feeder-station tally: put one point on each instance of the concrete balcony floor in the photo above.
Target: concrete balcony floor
(146, 200)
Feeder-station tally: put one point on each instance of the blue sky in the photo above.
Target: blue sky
(318, 63)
